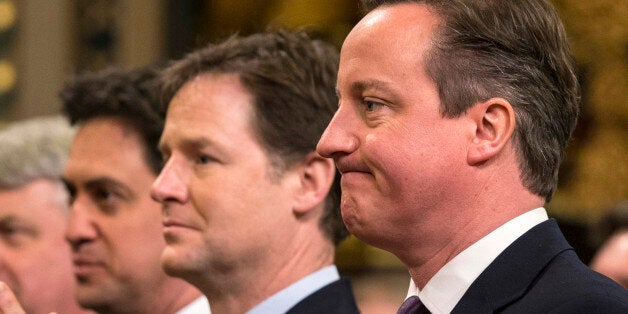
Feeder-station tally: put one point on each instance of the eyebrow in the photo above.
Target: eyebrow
(8, 219)
(360, 86)
(99, 182)
(193, 142)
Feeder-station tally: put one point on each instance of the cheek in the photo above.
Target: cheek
(148, 236)
(391, 159)
(137, 233)
(220, 208)
(13, 266)
(41, 268)
(411, 165)
(228, 192)
(207, 197)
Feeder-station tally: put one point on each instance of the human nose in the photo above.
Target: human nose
(338, 138)
(80, 228)
(171, 184)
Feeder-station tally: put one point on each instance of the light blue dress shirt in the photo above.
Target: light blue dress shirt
(287, 298)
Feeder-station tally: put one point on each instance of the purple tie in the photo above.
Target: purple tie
(412, 305)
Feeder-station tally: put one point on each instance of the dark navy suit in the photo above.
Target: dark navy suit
(334, 298)
(541, 273)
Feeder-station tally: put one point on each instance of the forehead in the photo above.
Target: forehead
(106, 147)
(211, 106)
(40, 200)
(392, 35)
(397, 19)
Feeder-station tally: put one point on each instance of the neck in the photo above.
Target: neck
(70, 308)
(451, 230)
(244, 287)
(186, 295)
(167, 299)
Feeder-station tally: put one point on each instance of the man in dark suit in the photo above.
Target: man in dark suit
(249, 208)
(452, 123)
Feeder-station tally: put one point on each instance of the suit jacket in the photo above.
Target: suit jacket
(336, 297)
(540, 273)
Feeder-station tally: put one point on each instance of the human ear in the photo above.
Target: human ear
(495, 123)
(316, 175)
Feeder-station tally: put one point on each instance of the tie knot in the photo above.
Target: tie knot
(411, 305)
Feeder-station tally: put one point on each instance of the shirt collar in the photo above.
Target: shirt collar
(199, 306)
(287, 298)
(445, 289)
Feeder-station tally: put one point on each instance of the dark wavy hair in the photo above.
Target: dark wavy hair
(128, 95)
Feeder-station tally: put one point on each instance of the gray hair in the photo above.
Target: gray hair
(33, 149)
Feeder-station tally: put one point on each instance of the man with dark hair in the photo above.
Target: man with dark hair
(452, 123)
(115, 226)
(250, 212)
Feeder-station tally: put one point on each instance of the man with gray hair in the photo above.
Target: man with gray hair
(35, 260)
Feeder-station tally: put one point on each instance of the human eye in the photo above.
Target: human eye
(204, 159)
(105, 198)
(71, 189)
(374, 110)
(163, 160)
(165, 155)
(201, 153)
(103, 194)
(371, 105)
(14, 234)
(8, 230)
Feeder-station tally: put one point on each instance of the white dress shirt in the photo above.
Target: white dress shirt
(445, 289)
(198, 306)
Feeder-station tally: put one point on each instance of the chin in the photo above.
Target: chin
(351, 220)
(169, 261)
(354, 227)
(89, 298)
(365, 232)
(172, 269)
(177, 265)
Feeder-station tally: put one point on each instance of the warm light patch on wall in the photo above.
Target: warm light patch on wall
(7, 76)
(8, 14)
(8, 73)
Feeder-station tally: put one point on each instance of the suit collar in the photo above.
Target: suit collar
(446, 288)
(513, 271)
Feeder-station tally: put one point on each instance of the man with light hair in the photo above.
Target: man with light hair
(453, 120)
(35, 260)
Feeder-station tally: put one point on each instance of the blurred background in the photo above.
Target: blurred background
(44, 42)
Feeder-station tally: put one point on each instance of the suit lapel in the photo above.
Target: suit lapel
(508, 277)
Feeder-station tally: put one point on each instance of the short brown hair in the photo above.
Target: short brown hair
(517, 50)
(292, 80)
